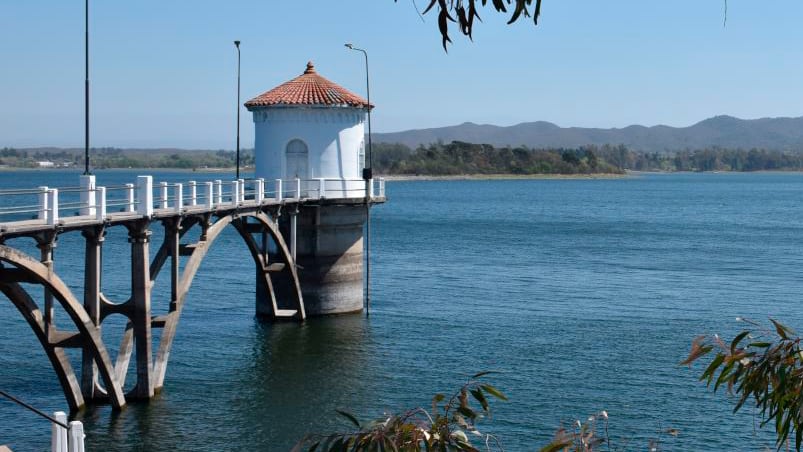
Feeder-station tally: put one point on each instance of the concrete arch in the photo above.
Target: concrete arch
(29, 270)
(199, 251)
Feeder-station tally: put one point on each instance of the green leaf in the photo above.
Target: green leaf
(493, 391)
(475, 376)
(709, 371)
(759, 344)
(780, 329)
(477, 393)
(555, 446)
(738, 339)
(467, 412)
(350, 417)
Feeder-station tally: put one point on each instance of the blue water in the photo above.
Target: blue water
(584, 294)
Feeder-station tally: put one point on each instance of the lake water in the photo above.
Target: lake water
(583, 294)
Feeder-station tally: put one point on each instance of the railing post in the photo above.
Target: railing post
(321, 188)
(87, 194)
(210, 193)
(58, 435)
(193, 194)
(76, 437)
(279, 190)
(163, 195)
(129, 195)
(370, 189)
(53, 204)
(381, 187)
(178, 192)
(100, 203)
(145, 195)
(43, 209)
(219, 190)
(235, 192)
(259, 193)
(241, 190)
(298, 188)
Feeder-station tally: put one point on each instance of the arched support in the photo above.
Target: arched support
(29, 270)
(196, 253)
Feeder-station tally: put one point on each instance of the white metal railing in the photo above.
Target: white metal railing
(144, 198)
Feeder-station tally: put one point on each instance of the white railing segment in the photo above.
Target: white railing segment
(99, 202)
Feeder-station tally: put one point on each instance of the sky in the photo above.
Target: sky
(163, 73)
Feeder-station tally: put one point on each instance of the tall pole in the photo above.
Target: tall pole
(86, 87)
(367, 175)
(237, 44)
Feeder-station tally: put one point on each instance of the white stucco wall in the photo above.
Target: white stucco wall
(333, 136)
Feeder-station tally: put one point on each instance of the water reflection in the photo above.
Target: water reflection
(299, 374)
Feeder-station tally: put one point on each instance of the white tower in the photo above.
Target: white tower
(311, 128)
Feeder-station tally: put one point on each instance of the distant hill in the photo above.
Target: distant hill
(783, 134)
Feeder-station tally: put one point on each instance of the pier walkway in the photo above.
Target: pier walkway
(264, 213)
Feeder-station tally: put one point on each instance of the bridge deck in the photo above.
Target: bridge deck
(171, 200)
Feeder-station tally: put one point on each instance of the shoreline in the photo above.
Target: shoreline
(422, 177)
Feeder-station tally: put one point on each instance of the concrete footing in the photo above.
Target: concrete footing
(330, 257)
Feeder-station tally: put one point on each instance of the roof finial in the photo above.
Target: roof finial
(310, 68)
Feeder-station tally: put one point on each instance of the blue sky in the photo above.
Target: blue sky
(164, 72)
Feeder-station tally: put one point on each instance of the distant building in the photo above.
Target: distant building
(311, 128)
(45, 164)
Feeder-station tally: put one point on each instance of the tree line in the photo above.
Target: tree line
(460, 157)
(440, 159)
(101, 158)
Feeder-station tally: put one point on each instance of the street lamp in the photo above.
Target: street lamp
(237, 44)
(366, 172)
(86, 87)
(367, 175)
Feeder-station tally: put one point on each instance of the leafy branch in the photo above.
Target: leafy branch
(450, 425)
(764, 365)
(466, 12)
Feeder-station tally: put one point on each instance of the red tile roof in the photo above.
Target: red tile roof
(308, 88)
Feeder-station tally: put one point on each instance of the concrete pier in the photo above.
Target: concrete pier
(309, 238)
(330, 258)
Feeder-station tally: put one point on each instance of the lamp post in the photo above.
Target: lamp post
(237, 44)
(86, 87)
(366, 172)
(367, 175)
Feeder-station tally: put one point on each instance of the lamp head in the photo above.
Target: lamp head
(349, 46)
(237, 43)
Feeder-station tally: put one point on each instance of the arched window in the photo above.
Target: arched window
(297, 159)
(362, 157)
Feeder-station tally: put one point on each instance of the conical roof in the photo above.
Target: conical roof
(308, 88)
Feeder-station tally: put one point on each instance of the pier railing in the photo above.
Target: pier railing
(51, 205)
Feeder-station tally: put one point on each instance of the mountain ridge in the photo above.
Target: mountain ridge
(778, 133)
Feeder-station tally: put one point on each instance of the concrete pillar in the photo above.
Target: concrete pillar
(193, 193)
(43, 206)
(139, 237)
(129, 196)
(145, 196)
(163, 195)
(235, 192)
(178, 192)
(93, 263)
(278, 189)
(219, 192)
(53, 206)
(259, 193)
(329, 251)
(87, 185)
(209, 195)
(58, 438)
(100, 203)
